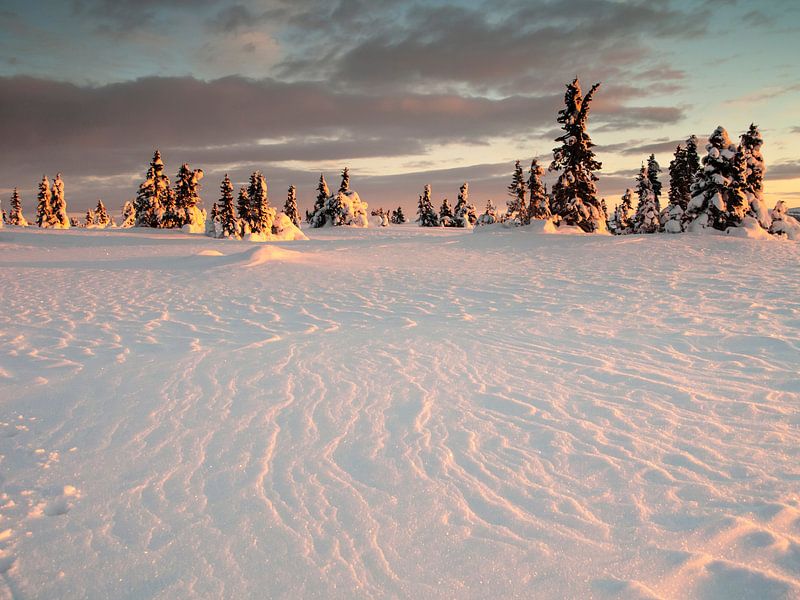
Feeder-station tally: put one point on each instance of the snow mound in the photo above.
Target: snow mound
(750, 229)
(267, 254)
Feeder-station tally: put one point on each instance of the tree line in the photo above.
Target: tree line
(722, 190)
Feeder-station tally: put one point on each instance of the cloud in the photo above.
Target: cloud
(104, 135)
(508, 46)
(785, 170)
(643, 148)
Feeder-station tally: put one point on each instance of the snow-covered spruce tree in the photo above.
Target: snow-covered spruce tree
(604, 208)
(680, 181)
(464, 214)
(58, 204)
(653, 169)
(446, 214)
(646, 218)
(516, 208)
(343, 208)
(44, 216)
(101, 216)
(717, 200)
(89, 220)
(621, 222)
(750, 157)
(538, 203)
(290, 207)
(154, 195)
(426, 216)
(262, 214)
(128, 215)
(398, 218)
(186, 209)
(317, 217)
(243, 210)
(15, 216)
(575, 199)
(692, 159)
(228, 226)
(489, 215)
(213, 225)
(345, 185)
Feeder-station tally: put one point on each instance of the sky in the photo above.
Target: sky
(405, 93)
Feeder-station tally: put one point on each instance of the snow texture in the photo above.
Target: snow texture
(399, 413)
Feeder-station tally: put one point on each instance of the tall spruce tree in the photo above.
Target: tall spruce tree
(680, 180)
(516, 208)
(15, 216)
(752, 183)
(290, 207)
(226, 216)
(646, 219)
(538, 203)
(653, 169)
(345, 185)
(44, 216)
(575, 199)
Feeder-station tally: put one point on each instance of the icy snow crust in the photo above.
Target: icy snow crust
(398, 412)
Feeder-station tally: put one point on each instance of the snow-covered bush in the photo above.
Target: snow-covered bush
(343, 208)
(621, 222)
(489, 216)
(782, 223)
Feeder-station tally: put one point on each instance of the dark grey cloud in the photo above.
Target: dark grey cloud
(109, 130)
(784, 170)
(132, 14)
(643, 148)
(500, 45)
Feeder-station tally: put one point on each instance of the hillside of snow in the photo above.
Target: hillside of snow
(398, 413)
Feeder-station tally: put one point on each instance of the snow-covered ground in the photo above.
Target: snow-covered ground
(402, 413)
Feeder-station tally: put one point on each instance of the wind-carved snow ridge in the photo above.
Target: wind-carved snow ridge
(399, 412)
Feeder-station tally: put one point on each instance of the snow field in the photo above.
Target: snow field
(399, 412)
